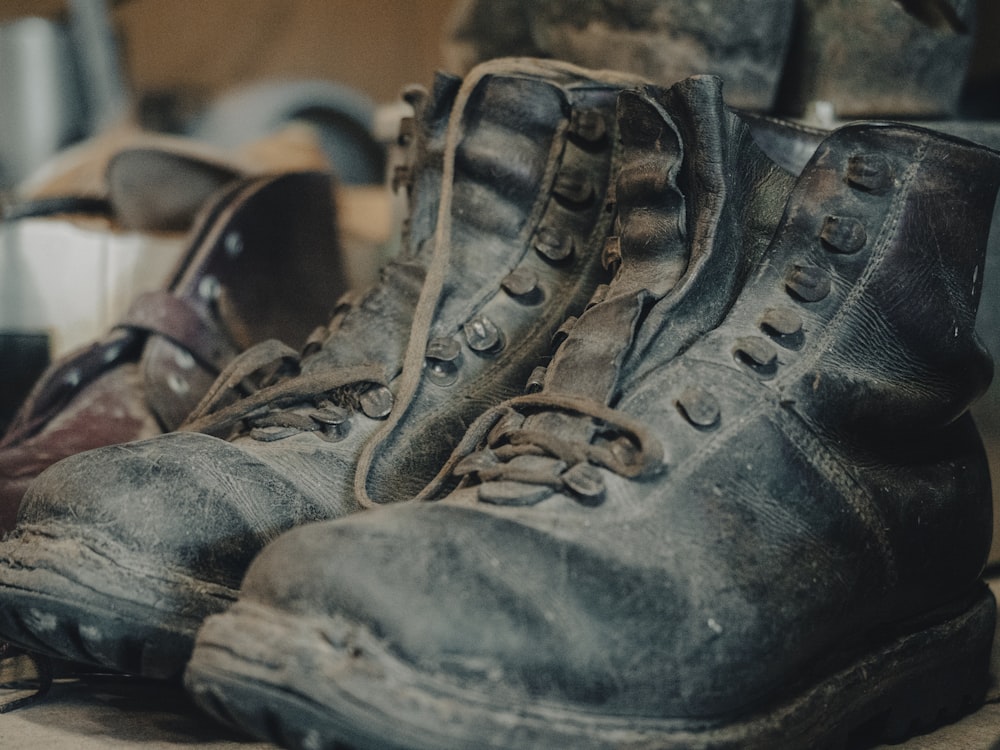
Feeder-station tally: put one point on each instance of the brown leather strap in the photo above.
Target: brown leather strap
(66, 377)
(175, 318)
(180, 320)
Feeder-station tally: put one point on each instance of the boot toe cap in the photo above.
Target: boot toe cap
(190, 502)
(464, 596)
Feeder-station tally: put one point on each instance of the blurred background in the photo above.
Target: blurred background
(208, 47)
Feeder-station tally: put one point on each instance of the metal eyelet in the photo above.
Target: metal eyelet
(807, 283)
(871, 173)
(699, 407)
(442, 360)
(843, 235)
(784, 326)
(482, 335)
(522, 284)
(377, 402)
(553, 244)
(758, 355)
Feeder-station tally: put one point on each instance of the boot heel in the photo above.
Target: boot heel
(928, 678)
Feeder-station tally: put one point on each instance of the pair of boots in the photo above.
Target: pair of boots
(740, 505)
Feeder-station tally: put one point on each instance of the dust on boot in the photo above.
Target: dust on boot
(764, 533)
(127, 549)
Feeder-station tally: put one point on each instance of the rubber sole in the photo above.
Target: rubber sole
(88, 603)
(328, 684)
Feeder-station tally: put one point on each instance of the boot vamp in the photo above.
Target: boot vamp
(185, 503)
(320, 471)
(677, 598)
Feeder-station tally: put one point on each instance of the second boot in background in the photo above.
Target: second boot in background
(263, 261)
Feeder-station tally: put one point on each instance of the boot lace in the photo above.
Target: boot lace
(257, 391)
(506, 445)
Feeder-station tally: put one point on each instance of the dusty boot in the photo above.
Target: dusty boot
(263, 262)
(509, 223)
(761, 537)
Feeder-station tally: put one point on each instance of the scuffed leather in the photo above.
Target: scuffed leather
(836, 490)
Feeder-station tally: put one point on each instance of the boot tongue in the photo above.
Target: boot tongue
(375, 324)
(697, 204)
(505, 137)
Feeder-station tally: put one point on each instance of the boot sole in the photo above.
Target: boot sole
(101, 612)
(325, 683)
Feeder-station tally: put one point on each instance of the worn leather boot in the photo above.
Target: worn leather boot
(508, 226)
(762, 536)
(263, 262)
(114, 224)
(791, 145)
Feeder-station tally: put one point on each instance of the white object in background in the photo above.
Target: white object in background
(42, 109)
(73, 282)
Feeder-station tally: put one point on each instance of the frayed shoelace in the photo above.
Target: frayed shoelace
(495, 445)
(267, 379)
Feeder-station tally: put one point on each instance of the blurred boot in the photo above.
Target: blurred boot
(505, 242)
(765, 533)
(263, 262)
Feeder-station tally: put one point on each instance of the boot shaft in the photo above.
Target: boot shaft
(864, 306)
(697, 204)
(531, 151)
(369, 326)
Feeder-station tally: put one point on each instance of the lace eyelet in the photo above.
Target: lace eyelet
(844, 235)
(442, 359)
(699, 407)
(757, 355)
(553, 245)
(377, 402)
(783, 326)
(483, 336)
(588, 125)
(522, 284)
(807, 283)
(871, 173)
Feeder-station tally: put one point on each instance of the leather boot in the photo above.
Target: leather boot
(152, 189)
(509, 220)
(792, 146)
(760, 536)
(263, 262)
